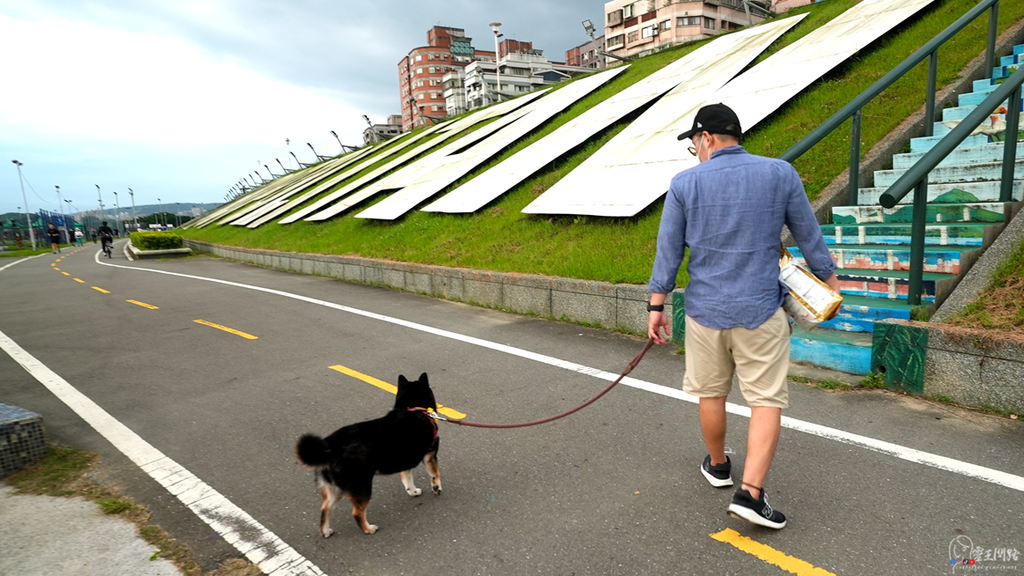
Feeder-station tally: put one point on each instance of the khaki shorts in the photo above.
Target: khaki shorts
(759, 358)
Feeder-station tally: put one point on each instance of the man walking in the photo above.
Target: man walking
(729, 211)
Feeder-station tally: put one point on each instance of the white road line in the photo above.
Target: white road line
(19, 261)
(259, 545)
(909, 454)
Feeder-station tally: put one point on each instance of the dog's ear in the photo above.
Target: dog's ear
(402, 381)
(423, 379)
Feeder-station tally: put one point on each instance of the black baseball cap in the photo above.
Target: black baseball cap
(716, 119)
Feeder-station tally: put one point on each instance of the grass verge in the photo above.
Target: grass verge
(65, 473)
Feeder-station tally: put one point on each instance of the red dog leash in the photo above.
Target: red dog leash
(632, 364)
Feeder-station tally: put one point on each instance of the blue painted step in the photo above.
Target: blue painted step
(950, 192)
(981, 171)
(954, 234)
(979, 154)
(848, 352)
(937, 259)
(858, 313)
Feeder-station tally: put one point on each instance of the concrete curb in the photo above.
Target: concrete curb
(600, 304)
(158, 253)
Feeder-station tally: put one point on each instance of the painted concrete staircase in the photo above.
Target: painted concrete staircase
(871, 244)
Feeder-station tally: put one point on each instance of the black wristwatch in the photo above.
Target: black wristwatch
(655, 307)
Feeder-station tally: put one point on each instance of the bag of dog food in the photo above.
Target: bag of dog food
(810, 301)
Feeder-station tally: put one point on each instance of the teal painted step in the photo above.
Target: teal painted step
(926, 143)
(893, 284)
(937, 259)
(960, 112)
(1000, 73)
(976, 98)
(848, 352)
(994, 126)
(956, 234)
(859, 314)
(958, 192)
(937, 212)
(1009, 60)
(979, 154)
(949, 174)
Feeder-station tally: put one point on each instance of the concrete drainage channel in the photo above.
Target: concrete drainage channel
(956, 368)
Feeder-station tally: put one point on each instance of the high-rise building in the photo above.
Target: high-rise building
(420, 74)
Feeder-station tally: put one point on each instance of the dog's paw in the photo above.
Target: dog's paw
(414, 491)
(436, 489)
(372, 529)
(327, 533)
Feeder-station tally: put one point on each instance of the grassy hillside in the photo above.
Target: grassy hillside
(499, 237)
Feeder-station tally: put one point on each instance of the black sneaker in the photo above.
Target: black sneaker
(759, 511)
(719, 474)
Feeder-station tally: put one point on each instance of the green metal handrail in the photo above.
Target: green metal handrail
(917, 176)
(853, 109)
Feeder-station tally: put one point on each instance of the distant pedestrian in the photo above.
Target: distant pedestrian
(54, 236)
(79, 236)
(729, 212)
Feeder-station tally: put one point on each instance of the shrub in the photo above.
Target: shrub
(156, 240)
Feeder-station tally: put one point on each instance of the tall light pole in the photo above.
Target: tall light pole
(497, 64)
(28, 219)
(60, 205)
(161, 208)
(117, 206)
(177, 213)
(589, 27)
(71, 239)
(134, 219)
(100, 195)
(335, 134)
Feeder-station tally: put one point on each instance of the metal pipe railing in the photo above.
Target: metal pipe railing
(929, 50)
(917, 176)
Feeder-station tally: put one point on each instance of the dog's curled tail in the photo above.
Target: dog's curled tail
(312, 451)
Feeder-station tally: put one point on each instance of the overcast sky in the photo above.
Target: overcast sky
(179, 99)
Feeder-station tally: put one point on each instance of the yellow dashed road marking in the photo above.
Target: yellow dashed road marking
(65, 273)
(226, 329)
(769, 554)
(79, 281)
(97, 288)
(143, 304)
(450, 412)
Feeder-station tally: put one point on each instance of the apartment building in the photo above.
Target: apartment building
(641, 27)
(587, 55)
(421, 74)
(521, 68)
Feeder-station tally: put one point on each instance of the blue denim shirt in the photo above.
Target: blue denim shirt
(729, 211)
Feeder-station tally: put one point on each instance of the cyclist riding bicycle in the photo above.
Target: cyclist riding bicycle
(106, 237)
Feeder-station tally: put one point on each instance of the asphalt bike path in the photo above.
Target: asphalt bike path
(613, 489)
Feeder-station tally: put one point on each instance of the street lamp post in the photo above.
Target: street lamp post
(589, 27)
(497, 64)
(100, 195)
(28, 219)
(335, 134)
(177, 213)
(160, 207)
(134, 219)
(60, 205)
(117, 216)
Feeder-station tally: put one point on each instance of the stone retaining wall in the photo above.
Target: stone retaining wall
(974, 368)
(615, 306)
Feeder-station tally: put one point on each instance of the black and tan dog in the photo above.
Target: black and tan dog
(346, 461)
